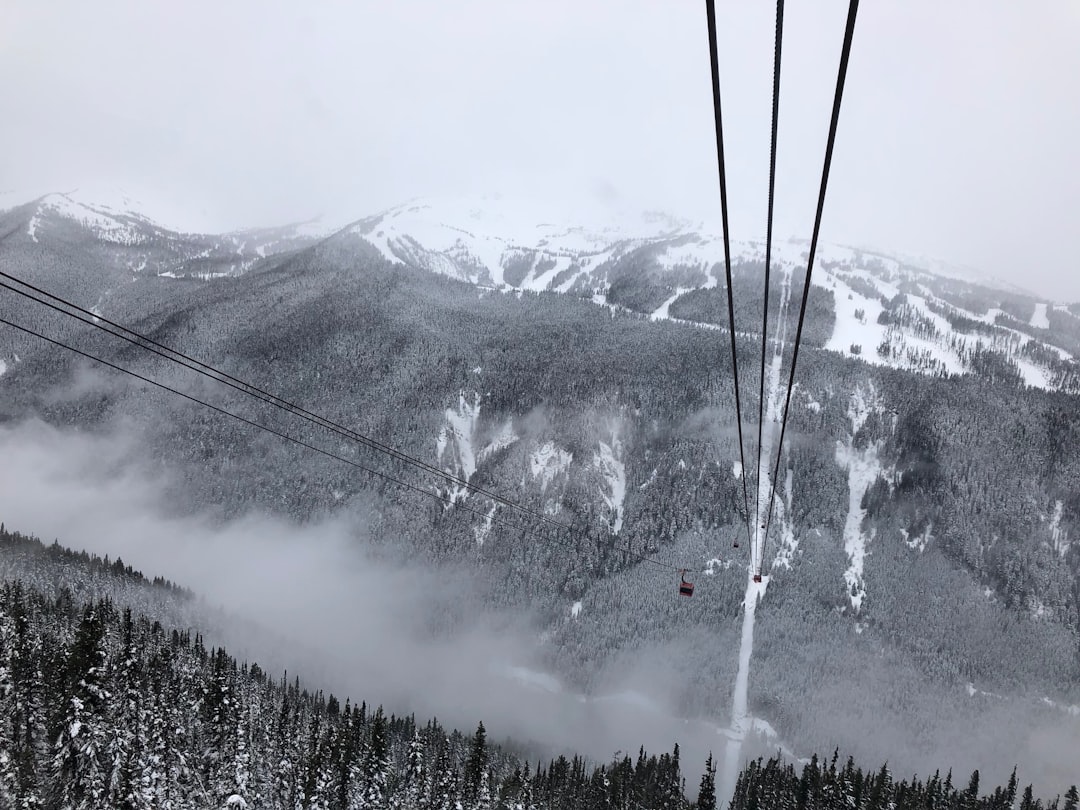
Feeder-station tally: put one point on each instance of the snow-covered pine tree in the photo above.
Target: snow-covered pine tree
(79, 766)
(29, 734)
(483, 791)
(415, 774)
(444, 786)
(127, 737)
(881, 791)
(475, 766)
(9, 784)
(376, 765)
(706, 798)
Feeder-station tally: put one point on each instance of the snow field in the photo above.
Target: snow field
(614, 471)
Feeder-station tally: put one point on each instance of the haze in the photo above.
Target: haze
(413, 638)
(956, 138)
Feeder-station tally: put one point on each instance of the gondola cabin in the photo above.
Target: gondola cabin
(685, 588)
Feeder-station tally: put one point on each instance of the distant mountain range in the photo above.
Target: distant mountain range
(923, 579)
(886, 310)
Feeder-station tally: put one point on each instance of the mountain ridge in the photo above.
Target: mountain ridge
(900, 314)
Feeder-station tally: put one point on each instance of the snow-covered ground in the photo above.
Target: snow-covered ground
(104, 223)
(661, 313)
(741, 720)
(456, 436)
(609, 461)
(863, 468)
(1039, 318)
(547, 461)
(1059, 537)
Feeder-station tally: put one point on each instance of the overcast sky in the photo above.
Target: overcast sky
(958, 137)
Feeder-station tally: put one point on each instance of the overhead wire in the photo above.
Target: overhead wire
(710, 10)
(845, 54)
(241, 387)
(149, 344)
(777, 49)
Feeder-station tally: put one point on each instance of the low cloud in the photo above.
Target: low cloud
(356, 622)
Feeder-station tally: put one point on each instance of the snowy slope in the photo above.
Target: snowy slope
(913, 314)
(138, 243)
(891, 310)
(503, 242)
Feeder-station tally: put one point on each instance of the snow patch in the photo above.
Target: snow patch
(456, 438)
(502, 439)
(1039, 318)
(863, 469)
(614, 471)
(575, 610)
(547, 461)
(652, 477)
(787, 545)
(98, 218)
(1058, 536)
(3, 367)
(661, 313)
(716, 564)
(919, 542)
(481, 532)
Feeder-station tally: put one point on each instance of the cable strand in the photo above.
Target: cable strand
(777, 50)
(405, 484)
(710, 8)
(153, 346)
(845, 55)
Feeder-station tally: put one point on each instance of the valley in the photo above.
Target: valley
(922, 586)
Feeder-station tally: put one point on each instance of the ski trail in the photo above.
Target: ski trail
(741, 720)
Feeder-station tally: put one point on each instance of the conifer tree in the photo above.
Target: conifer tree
(969, 799)
(1028, 802)
(444, 794)
(376, 765)
(79, 767)
(476, 765)
(706, 798)
(415, 773)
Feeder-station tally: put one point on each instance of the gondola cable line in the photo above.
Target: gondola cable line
(845, 54)
(246, 388)
(710, 11)
(487, 517)
(149, 344)
(777, 51)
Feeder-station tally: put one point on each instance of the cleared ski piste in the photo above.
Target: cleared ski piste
(741, 720)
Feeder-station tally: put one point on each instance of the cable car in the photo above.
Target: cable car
(685, 588)
(736, 544)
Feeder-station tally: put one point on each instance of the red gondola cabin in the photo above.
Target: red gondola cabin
(685, 588)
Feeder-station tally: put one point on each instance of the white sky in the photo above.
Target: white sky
(958, 137)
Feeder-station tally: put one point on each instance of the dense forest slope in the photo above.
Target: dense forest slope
(100, 706)
(922, 569)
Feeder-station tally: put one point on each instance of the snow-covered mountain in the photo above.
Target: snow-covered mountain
(887, 310)
(922, 561)
(926, 317)
(141, 244)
